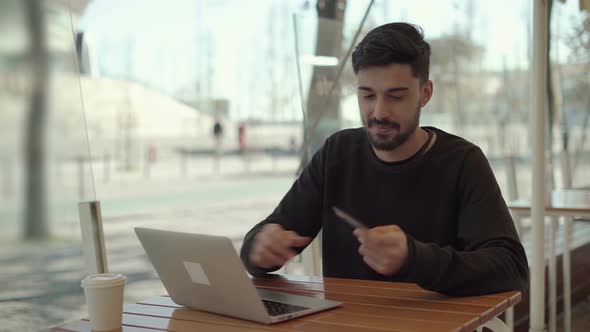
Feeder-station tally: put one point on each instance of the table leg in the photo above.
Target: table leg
(496, 325)
(517, 219)
(510, 318)
(553, 275)
(567, 282)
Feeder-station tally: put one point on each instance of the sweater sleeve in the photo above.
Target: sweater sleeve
(488, 256)
(299, 210)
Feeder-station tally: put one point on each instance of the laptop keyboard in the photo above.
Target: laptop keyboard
(278, 308)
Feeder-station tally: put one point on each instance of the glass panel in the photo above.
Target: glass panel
(45, 167)
(152, 97)
(481, 69)
(152, 93)
(570, 33)
(480, 66)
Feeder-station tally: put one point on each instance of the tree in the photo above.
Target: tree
(450, 56)
(35, 187)
(447, 49)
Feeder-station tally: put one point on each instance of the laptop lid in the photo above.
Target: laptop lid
(203, 272)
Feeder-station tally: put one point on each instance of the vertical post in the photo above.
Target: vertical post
(552, 275)
(567, 234)
(246, 158)
(312, 257)
(567, 282)
(510, 318)
(552, 236)
(35, 222)
(538, 110)
(147, 164)
(511, 177)
(80, 162)
(509, 161)
(183, 163)
(106, 167)
(218, 154)
(92, 236)
(59, 173)
(6, 178)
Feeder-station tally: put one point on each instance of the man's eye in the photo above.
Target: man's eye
(396, 97)
(368, 96)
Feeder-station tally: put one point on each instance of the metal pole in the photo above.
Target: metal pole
(93, 236)
(106, 167)
(81, 176)
(147, 164)
(567, 268)
(6, 178)
(538, 110)
(183, 161)
(566, 258)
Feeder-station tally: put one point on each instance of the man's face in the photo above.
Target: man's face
(390, 99)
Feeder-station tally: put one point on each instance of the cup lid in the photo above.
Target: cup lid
(102, 280)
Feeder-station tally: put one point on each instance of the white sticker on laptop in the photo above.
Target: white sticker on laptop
(195, 270)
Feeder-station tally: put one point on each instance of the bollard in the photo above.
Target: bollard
(6, 178)
(183, 164)
(106, 167)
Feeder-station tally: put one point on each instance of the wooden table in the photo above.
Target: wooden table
(368, 306)
(523, 208)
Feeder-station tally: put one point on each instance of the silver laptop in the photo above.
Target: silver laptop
(204, 272)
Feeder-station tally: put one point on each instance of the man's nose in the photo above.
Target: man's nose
(381, 110)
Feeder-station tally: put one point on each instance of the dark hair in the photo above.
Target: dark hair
(398, 42)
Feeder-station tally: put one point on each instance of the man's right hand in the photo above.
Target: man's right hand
(273, 246)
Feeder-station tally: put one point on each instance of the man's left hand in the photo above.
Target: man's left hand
(384, 248)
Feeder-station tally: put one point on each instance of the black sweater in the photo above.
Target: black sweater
(461, 238)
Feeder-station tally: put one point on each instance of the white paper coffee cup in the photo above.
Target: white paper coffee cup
(104, 297)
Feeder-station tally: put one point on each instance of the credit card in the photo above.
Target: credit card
(348, 218)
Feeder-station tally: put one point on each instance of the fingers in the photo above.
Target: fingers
(273, 243)
(300, 241)
(273, 246)
(361, 234)
(379, 237)
(381, 268)
(375, 255)
(373, 264)
(279, 243)
(266, 259)
(383, 248)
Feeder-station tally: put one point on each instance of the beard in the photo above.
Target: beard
(395, 138)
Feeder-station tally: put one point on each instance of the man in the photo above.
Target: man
(433, 209)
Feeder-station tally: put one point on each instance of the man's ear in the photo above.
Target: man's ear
(427, 89)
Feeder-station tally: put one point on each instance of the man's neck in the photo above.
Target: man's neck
(407, 149)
